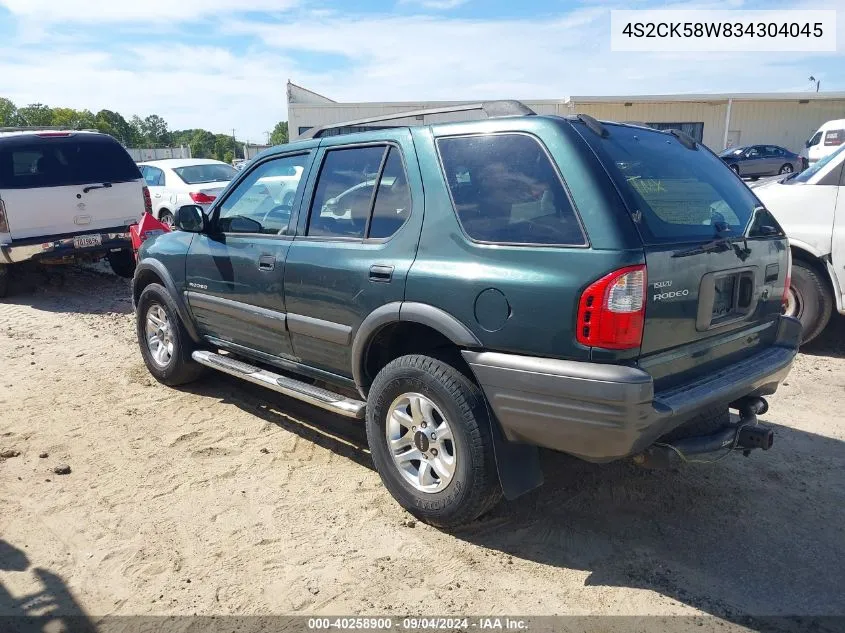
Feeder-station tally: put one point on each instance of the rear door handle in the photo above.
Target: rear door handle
(381, 273)
(266, 262)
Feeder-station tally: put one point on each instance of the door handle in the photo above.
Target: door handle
(381, 273)
(266, 262)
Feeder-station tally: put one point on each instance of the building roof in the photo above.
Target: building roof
(688, 97)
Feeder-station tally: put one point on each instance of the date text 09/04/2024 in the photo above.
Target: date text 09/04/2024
(418, 624)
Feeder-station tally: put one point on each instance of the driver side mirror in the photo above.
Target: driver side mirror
(190, 218)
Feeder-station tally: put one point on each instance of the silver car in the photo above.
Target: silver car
(762, 160)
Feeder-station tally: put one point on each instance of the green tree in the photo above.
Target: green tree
(155, 130)
(73, 119)
(279, 136)
(138, 135)
(114, 124)
(36, 114)
(8, 113)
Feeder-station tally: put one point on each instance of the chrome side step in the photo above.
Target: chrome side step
(282, 384)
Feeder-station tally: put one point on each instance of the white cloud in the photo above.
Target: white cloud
(127, 11)
(439, 5)
(355, 57)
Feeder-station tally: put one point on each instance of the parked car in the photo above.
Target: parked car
(826, 140)
(175, 182)
(810, 206)
(761, 160)
(66, 196)
(476, 290)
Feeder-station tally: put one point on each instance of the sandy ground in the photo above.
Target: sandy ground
(223, 498)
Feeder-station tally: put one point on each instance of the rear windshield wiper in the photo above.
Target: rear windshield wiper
(717, 244)
(105, 185)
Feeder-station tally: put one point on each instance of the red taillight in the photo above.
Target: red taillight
(148, 201)
(202, 198)
(4, 221)
(784, 300)
(611, 312)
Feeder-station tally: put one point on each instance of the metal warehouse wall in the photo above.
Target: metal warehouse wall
(784, 123)
(711, 114)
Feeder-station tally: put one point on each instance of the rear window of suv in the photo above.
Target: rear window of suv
(28, 162)
(506, 191)
(676, 194)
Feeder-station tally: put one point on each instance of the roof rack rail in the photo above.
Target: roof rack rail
(490, 109)
(43, 128)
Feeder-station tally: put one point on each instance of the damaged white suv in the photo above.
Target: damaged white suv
(66, 196)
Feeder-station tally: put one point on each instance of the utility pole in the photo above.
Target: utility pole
(234, 145)
(268, 137)
(818, 82)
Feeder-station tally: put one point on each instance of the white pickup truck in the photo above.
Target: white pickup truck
(66, 196)
(810, 206)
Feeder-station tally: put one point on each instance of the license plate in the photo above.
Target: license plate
(87, 241)
(723, 301)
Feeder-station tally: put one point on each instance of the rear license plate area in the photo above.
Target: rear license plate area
(724, 296)
(87, 241)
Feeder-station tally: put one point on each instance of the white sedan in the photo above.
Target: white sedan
(175, 182)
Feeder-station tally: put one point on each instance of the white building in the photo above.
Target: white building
(718, 120)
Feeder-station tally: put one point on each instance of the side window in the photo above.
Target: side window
(393, 199)
(153, 176)
(263, 201)
(506, 190)
(344, 192)
(753, 152)
(817, 137)
(834, 137)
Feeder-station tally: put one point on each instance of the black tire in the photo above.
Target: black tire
(122, 263)
(180, 368)
(4, 280)
(786, 168)
(474, 487)
(811, 301)
(735, 169)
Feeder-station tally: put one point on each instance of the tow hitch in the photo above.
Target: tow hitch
(744, 436)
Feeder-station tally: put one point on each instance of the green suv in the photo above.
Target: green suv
(475, 290)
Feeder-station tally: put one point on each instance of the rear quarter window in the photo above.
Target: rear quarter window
(31, 162)
(506, 190)
(674, 193)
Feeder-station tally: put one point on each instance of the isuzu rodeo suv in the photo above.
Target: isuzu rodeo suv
(475, 290)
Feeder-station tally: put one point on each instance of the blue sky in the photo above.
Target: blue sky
(223, 64)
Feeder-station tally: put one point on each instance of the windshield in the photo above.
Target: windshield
(815, 168)
(211, 172)
(675, 194)
(732, 151)
(30, 162)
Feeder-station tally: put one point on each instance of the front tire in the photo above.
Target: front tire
(735, 169)
(122, 263)
(809, 300)
(165, 344)
(785, 169)
(430, 437)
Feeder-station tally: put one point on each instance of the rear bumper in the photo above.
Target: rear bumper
(62, 246)
(604, 412)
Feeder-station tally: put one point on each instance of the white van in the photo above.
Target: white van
(67, 196)
(826, 140)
